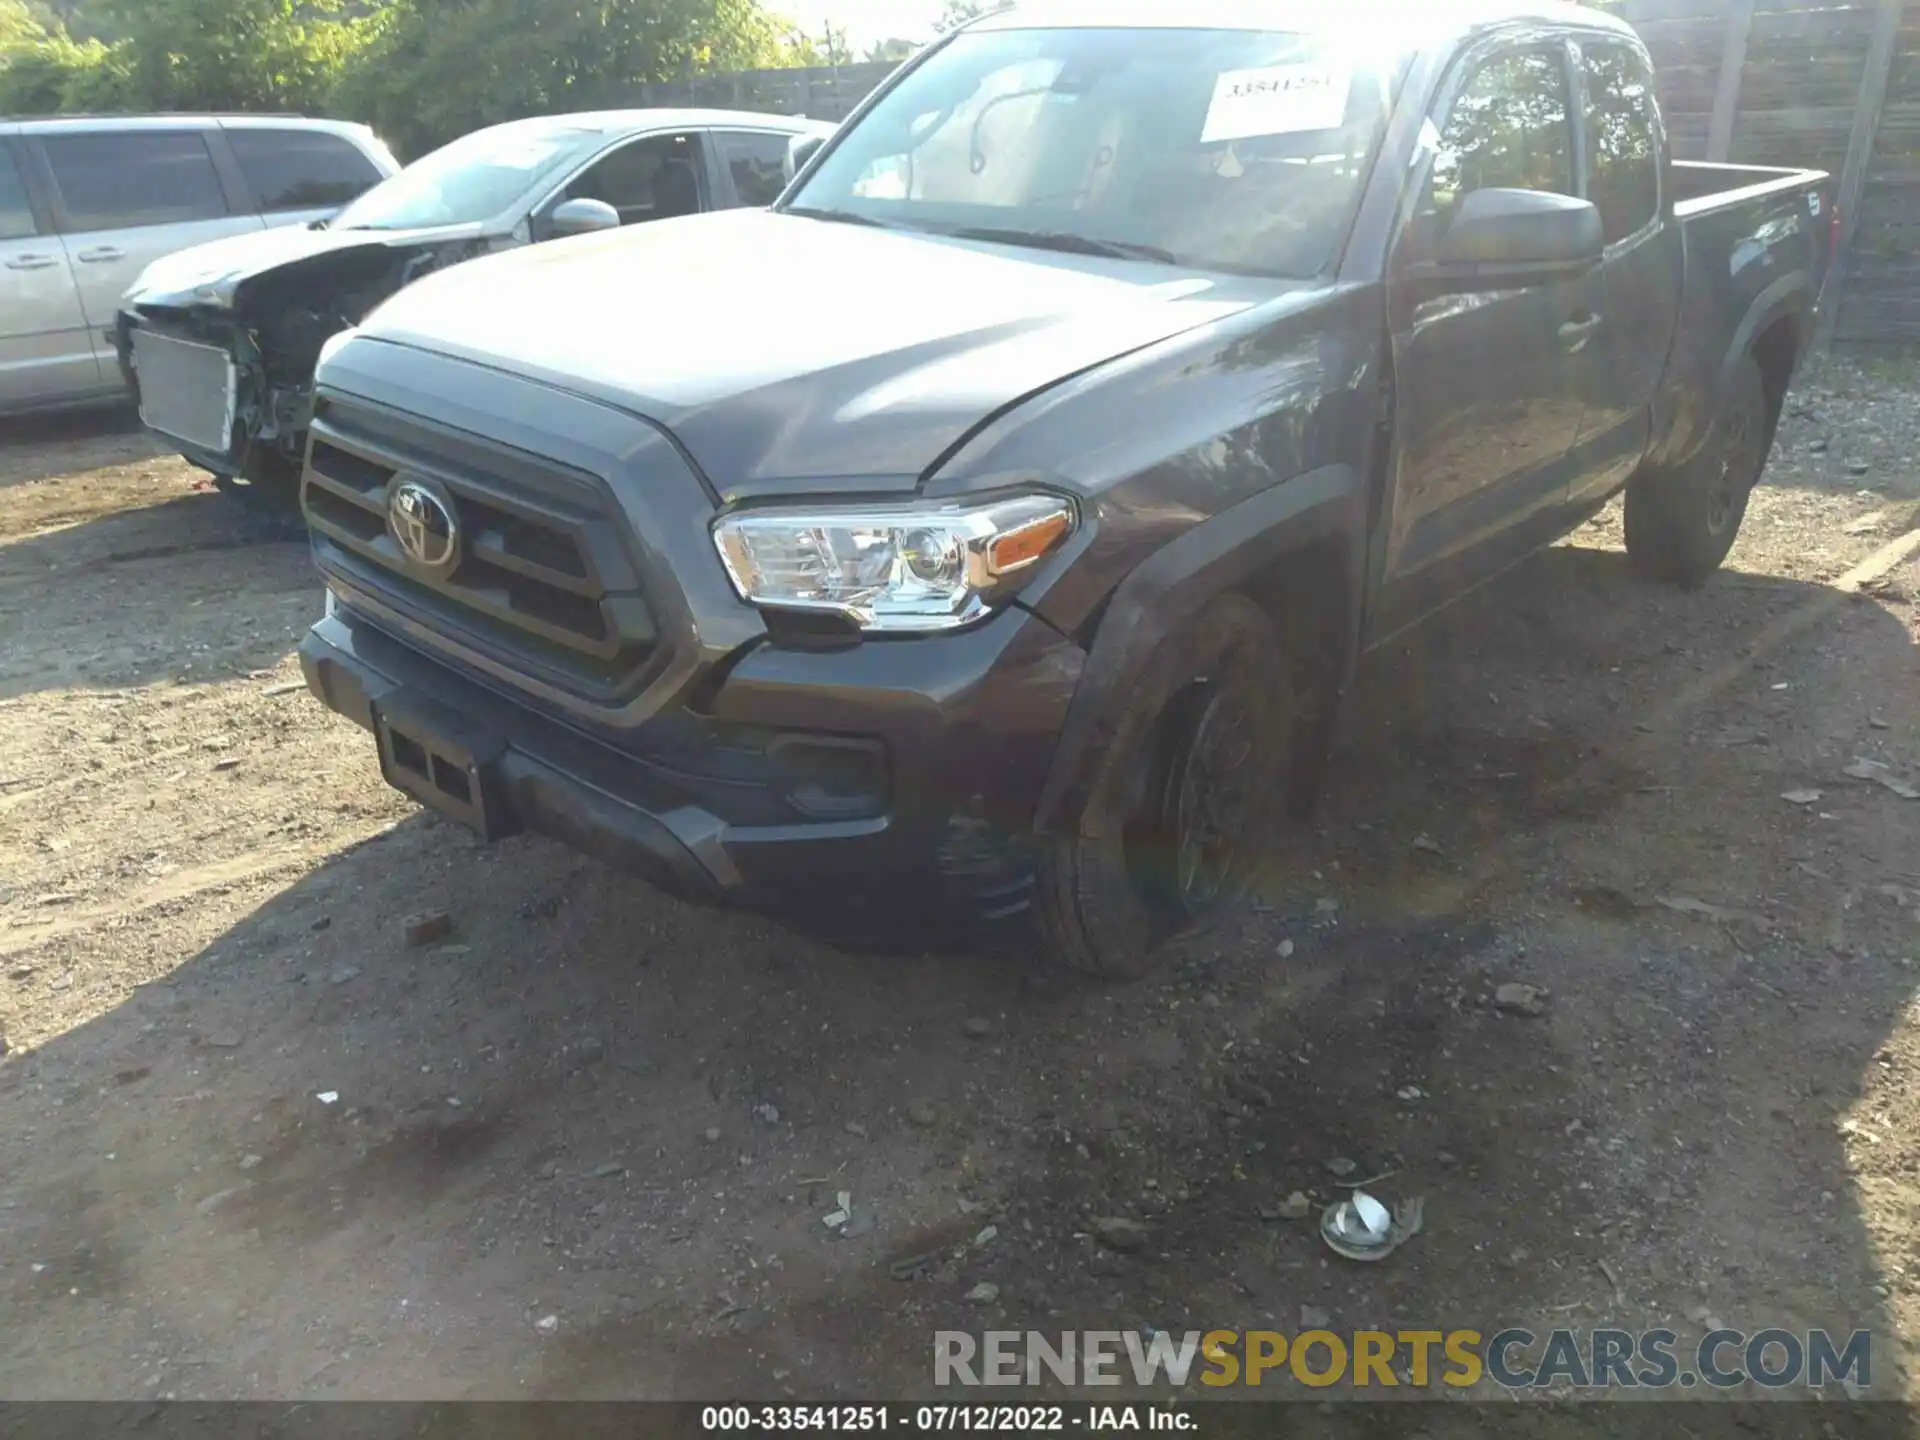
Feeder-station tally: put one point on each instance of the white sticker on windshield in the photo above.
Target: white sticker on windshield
(1277, 100)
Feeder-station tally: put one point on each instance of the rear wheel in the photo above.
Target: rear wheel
(1185, 802)
(1682, 522)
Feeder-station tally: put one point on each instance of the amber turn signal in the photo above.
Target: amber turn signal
(1019, 548)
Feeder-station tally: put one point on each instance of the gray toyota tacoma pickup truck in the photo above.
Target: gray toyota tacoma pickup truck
(996, 521)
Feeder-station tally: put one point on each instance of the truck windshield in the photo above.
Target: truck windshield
(473, 179)
(1233, 150)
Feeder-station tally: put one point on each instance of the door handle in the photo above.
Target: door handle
(32, 262)
(100, 256)
(1575, 334)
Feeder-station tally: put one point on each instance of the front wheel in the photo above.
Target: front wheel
(1184, 805)
(1682, 522)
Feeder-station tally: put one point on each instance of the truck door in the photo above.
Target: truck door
(1489, 386)
(1641, 275)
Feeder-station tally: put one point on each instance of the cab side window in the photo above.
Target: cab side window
(1624, 183)
(1510, 128)
(650, 179)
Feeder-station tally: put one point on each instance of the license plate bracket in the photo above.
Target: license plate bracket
(442, 760)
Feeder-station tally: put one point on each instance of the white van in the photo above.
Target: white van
(86, 203)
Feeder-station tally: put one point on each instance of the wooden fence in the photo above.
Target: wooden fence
(1817, 83)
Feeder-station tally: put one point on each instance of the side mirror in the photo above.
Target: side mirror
(581, 217)
(800, 150)
(1511, 237)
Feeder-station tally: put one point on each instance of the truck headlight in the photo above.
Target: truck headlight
(907, 568)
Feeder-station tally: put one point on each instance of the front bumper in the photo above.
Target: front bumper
(900, 768)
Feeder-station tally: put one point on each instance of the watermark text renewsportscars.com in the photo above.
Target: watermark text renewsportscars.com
(1516, 1359)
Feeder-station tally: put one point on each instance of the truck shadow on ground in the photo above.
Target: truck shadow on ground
(593, 1103)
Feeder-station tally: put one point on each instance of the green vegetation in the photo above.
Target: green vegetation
(956, 13)
(420, 71)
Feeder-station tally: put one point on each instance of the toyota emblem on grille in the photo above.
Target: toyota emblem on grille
(423, 522)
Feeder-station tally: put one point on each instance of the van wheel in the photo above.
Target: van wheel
(1184, 803)
(1682, 522)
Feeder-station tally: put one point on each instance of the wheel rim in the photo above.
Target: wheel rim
(1208, 799)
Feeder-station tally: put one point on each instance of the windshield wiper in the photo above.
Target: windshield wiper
(845, 217)
(1064, 240)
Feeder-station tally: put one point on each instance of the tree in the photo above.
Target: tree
(891, 52)
(801, 51)
(19, 27)
(958, 12)
(256, 55)
(439, 68)
(424, 71)
(44, 70)
(260, 55)
(835, 46)
(66, 15)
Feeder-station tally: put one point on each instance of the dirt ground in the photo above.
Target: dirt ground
(598, 1108)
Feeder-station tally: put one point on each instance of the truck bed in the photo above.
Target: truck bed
(1751, 231)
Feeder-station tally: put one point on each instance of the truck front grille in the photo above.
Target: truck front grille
(540, 582)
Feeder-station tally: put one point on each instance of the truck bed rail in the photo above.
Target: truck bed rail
(1700, 186)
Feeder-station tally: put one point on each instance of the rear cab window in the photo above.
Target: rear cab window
(1623, 138)
(300, 169)
(757, 160)
(133, 178)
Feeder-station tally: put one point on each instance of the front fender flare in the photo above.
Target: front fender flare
(1236, 549)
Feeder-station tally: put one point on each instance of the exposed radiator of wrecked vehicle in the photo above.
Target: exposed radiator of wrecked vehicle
(264, 324)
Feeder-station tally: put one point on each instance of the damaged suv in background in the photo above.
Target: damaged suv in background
(218, 343)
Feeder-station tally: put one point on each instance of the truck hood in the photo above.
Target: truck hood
(778, 348)
(213, 273)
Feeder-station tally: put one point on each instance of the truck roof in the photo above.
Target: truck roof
(1403, 19)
